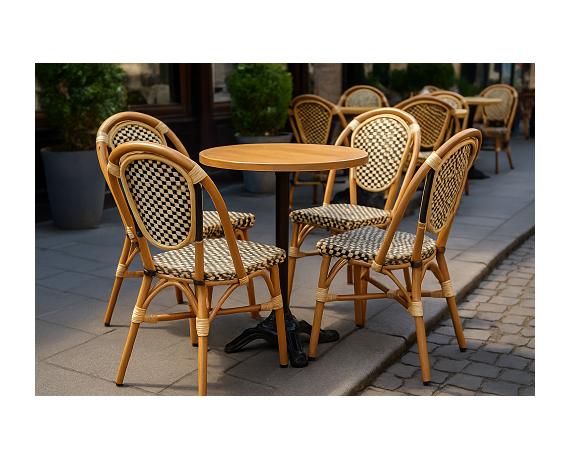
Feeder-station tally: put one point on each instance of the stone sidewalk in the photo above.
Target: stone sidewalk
(74, 270)
(498, 322)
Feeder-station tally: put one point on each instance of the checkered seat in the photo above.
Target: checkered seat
(375, 252)
(134, 126)
(391, 138)
(160, 190)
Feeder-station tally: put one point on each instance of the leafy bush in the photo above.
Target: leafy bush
(416, 76)
(260, 95)
(77, 98)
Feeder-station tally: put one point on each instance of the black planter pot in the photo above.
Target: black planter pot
(76, 188)
(261, 181)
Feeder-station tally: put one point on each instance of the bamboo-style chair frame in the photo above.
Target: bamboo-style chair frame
(178, 225)
(457, 101)
(438, 208)
(311, 118)
(409, 154)
(135, 126)
(502, 115)
(363, 96)
(435, 117)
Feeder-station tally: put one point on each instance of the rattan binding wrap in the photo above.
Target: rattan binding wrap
(323, 295)
(140, 316)
(275, 304)
(416, 309)
(202, 327)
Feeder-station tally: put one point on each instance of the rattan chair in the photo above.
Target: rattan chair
(428, 89)
(460, 106)
(134, 126)
(371, 249)
(363, 96)
(163, 189)
(311, 118)
(392, 140)
(498, 119)
(435, 117)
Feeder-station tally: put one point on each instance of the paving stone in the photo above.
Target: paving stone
(500, 300)
(469, 382)
(437, 376)
(450, 390)
(491, 307)
(498, 278)
(498, 347)
(488, 316)
(489, 285)
(517, 282)
(515, 340)
(416, 387)
(467, 313)
(514, 319)
(452, 351)
(509, 328)
(532, 367)
(446, 330)
(478, 324)
(484, 357)
(401, 370)
(476, 334)
(524, 378)
(528, 332)
(387, 381)
(371, 391)
(531, 323)
(500, 388)
(528, 391)
(438, 338)
(528, 303)
(521, 311)
(411, 359)
(430, 347)
(485, 292)
(482, 370)
(520, 274)
(478, 298)
(450, 365)
(468, 306)
(512, 291)
(531, 343)
(524, 352)
(513, 362)
(471, 344)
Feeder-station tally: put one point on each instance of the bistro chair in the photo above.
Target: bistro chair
(371, 249)
(460, 106)
(160, 194)
(363, 96)
(134, 126)
(428, 89)
(498, 119)
(311, 119)
(435, 117)
(391, 137)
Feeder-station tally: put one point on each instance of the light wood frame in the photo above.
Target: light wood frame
(130, 246)
(350, 91)
(410, 293)
(302, 229)
(319, 177)
(201, 312)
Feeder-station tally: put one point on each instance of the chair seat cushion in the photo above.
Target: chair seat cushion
(218, 264)
(492, 131)
(342, 216)
(364, 243)
(213, 225)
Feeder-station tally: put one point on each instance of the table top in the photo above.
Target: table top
(283, 157)
(483, 100)
(460, 112)
(356, 110)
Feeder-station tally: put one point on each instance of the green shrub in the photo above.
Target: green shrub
(77, 98)
(416, 76)
(260, 95)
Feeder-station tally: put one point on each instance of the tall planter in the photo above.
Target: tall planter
(261, 181)
(76, 188)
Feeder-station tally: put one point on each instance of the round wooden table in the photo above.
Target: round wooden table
(356, 110)
(477, 100)
(283, 159)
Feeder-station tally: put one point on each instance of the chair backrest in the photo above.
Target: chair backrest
(505, 111)
(391, 137)
(363, 96)
(456, 100)
(428, 89)
(445, 174)
(163, 189)
(434, 117)
(311, 118)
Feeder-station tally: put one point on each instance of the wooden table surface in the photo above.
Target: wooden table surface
(476, 100)
(283, 157)
(356, 110)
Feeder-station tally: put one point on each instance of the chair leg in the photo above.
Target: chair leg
(292, 260)
(118, 283)
(179, 298)
(193, 333)
(349, 275)
(508, 149)
(422, 349)
(279, 319)
(250, 288)
(451, 304)
(315, 192)
(319, 308)
(201, 293)
(497, 150)
(143, 293)
(292, 192)
(359, 320)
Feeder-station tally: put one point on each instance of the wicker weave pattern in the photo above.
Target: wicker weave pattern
(341, 216)
(314, 122)
(431, 118)
(218, 264)
(363, 98)
(213, 226)
(134, 131)
(384, 139)
(498, 112)
(163, 200)
(452, 102)
(446, 186)
(364, 243)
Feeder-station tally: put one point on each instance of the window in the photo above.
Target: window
(220, 74)
(152, 84)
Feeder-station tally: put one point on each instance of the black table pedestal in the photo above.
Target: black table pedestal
(267, 329)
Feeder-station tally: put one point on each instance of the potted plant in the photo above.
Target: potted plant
(260, 95)
(76, 99)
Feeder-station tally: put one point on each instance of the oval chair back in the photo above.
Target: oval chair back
(363, 96)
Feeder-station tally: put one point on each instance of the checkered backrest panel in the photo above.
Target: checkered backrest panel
(130, 132)
(363, 98)
(432, 121)
(163, 200)
(452, 102)
(446, 187)
(498, 112)
(384, 139)
(314, 121)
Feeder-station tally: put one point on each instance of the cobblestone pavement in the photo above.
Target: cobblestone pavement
(498, 322)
